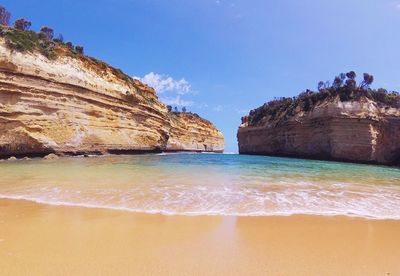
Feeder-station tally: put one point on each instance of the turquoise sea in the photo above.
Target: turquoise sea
(207, 184)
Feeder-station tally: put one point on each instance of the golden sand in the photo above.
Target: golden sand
(55, 240)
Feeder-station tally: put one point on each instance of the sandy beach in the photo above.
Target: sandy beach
(217, 137)
(38, 239)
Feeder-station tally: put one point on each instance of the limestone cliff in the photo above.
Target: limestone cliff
(190, 133)
(76, 104)
(358, 130)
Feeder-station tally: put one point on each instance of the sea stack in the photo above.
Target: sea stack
(54, 99)
(346, 122)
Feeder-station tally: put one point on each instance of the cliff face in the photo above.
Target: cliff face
(77, 105)
(358, 131)
(189, 132)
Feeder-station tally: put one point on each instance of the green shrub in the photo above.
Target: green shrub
(284, 108)
(22, 24)
(21, 40)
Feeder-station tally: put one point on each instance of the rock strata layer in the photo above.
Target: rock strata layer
(72, 105)
(357, 131)
(191, 133)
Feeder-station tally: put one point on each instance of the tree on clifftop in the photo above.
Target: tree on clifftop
(79, 49)
(22, 24)
(69, 45)
(337, 82)
(4, 16)
(321, 85)
(351, 80)
(368, 80)
(46, 33)
(59, 39)
(351, 75)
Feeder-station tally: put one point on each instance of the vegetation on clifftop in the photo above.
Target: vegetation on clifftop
(20, 38)
(174, 114)
(343, 87)
(23, 40)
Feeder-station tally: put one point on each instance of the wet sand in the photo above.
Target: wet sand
(40, 239)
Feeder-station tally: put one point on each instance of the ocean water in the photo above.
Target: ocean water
(207, 184)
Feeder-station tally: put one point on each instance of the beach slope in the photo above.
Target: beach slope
(56, 240)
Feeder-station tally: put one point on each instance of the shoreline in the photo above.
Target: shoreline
(44, 239)
(40, 156)
(198, 214)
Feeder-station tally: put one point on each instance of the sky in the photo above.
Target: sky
(222, 58)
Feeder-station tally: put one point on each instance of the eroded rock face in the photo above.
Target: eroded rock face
(358, 131)
(188, 133)
(74, 106)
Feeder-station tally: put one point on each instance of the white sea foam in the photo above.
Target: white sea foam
(226, 201)
(180, 184)
(368, 214)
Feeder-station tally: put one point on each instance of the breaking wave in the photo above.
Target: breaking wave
(181, 184)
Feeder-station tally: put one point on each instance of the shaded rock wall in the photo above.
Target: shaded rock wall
(349, 131)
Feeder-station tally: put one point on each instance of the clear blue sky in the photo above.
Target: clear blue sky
(227, 57)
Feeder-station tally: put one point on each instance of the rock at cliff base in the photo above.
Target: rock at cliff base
(51, 156)
(12, 158)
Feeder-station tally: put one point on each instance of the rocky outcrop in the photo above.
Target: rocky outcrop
(190, 133)
(358, 131)
(76, 105)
